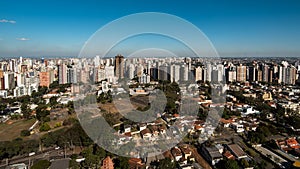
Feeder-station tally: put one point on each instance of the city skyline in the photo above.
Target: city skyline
(237, 29)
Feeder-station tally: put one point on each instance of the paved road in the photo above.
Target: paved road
(48, 154)
(200, 159)
(274, 157)
(230, 134)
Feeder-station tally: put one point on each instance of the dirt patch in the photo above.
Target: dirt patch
(12, 129)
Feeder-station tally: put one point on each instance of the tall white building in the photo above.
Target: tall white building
(144, 79)
(184, 71)
(110, 73)
(20, 79)
(139, 70)
(174, 73)
(198, 73)
(9, 80)
(101, 74)
(208, 72)
(282, 74)
(62, 74)
(131, 70)
(221, 74)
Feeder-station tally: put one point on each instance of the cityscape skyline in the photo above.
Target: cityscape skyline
(150, 84)
(239, 29)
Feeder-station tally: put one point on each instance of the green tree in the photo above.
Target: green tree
(42, 164)
(227, 164)
(45, 127)
(54, 85)
(99, 151)
(25, 133)
(41, 112)
(25, 110)
(91, 160)
(166, 164)
(53, 101)
(244, 163)
(121, 162)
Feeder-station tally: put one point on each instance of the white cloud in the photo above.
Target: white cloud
(23, 39)
(7, 21)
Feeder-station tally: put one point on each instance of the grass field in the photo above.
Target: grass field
(12, 129)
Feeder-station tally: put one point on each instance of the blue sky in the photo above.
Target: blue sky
(236, 28)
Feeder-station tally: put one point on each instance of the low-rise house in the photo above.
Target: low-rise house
(146, 133)
(162, 129)
(228, 155)
(248, 111)
(267, 96)
(187, 152)
(226, 123)
(154, 130)
(136, 163)
(176, 153)
(153, 157)
(211, 154)
(237, 151)
(239, 128)
(220, 148)
(127, 128)
(250, 126)
(186, 166)
(292, 142)
(169, 155)
(107, 163)
(142, 126)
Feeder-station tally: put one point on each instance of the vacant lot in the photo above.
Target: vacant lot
(13, 128)
(140, 101)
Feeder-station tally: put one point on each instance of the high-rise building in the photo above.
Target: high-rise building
(12, 65)
(208, 72)
(282, 74)
(97, 61)
(265, 73)
(174, 73)
(291, 75)
(101, 73)
(154, 73)
(139, 70)
(259, 75)
(62, 74)
(119, 66)
(131, 70)
(221, 74)
(163, 73)
(144, 79)
(109, 73)
(231, 74)
(148, 67)
(198, 73)
(1, 80)
(83, 76)
(9, 80)
(252, 74)
(241, 72)
(45, 79)
(184, 73)
(72, 75)
(271, 75)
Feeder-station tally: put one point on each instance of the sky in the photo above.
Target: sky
(243, 28)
